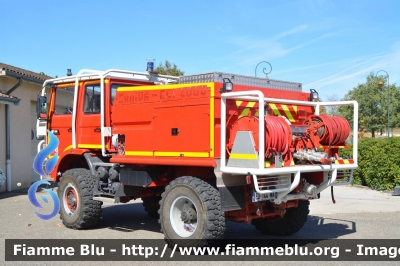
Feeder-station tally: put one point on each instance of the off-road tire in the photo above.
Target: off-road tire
(82, 212)
(152, 205)
(292, 222)
(210, 223)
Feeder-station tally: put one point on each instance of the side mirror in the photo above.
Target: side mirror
(41, 107)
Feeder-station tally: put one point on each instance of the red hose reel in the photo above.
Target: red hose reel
(331, 130)
(278, 136)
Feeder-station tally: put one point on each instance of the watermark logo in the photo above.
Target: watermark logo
(44, 167)
(32, 198)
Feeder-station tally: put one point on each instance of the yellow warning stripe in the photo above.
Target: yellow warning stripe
(181, 154)
(274, 109)
(246, 109)
(139, 153)
(68, 148)
(344, 161)
(212, 119)
(90, 146)
(63, 85)
(164, 87)
(86, 146)
(334, 146)
(268, 164)
(167, 154)
(243, 156)
(288, 113)
(285, 108)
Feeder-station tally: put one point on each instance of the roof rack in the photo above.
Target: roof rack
(242, 80)
(87, 74)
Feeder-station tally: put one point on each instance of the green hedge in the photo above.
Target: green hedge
(378, 163)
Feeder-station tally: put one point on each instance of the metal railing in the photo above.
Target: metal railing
(258, 96)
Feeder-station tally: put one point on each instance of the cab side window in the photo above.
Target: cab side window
(64, 101)
(92, 99)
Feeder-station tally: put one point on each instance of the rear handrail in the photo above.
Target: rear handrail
(258, 96)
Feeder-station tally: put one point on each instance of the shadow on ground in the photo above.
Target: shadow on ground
(128, 217)
(18, 192)
(131, 217)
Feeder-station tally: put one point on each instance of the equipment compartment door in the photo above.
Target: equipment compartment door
(184, 130)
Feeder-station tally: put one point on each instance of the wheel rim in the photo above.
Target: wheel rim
(183, 216)
(71, 201)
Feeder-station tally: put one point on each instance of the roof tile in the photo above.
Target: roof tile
(6, 95)
(23, 72)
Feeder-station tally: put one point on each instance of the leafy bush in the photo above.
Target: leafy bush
(378, 163)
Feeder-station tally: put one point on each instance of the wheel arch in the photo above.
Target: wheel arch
(75, 158)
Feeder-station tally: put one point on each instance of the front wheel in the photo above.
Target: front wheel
(78, 210)
(190, 213)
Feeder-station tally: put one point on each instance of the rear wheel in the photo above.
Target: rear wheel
(292, 222)
(78, 210)
(152, 205)
(190, 213)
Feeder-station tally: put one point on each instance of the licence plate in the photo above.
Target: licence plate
(262, 197)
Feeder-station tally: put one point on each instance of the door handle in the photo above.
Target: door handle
(97, 129)
(70, 129)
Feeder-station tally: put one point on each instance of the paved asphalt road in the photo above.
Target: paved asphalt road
(359, 213)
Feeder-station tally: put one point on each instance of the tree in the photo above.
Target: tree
(333, 110)
(168, 69)
(372, 103)
(394, 105)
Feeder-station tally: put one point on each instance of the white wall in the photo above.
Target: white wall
(20, 132)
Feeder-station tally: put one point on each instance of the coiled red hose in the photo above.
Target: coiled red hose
(332, 130)
(278, 136)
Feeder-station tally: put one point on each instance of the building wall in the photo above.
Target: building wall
(22, 123)
(2, 139)
(20, 131)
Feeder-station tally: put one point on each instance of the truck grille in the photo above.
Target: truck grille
(274, 183)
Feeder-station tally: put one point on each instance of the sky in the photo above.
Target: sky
(327, 45)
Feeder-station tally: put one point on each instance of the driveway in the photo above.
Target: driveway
(359, 213)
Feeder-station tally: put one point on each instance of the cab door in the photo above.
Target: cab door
(60, 115)
(88, 132)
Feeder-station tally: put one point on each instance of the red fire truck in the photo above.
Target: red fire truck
(198, 150)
